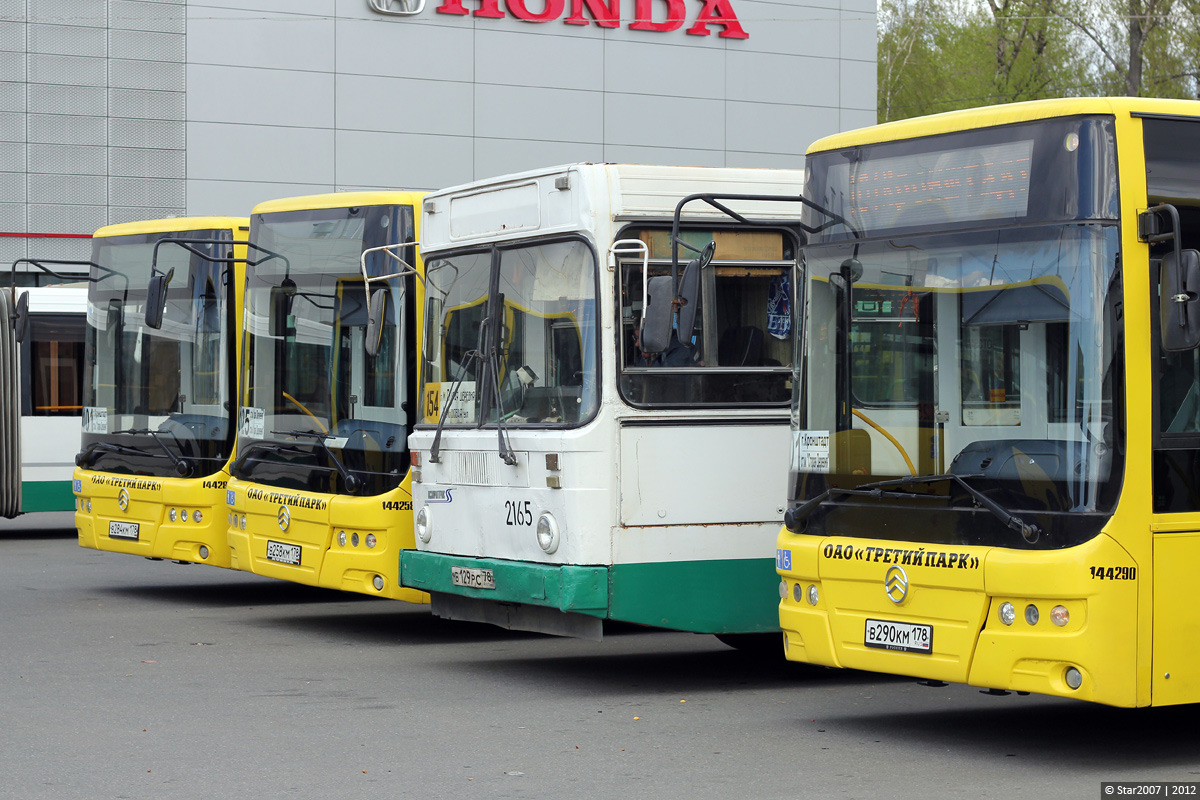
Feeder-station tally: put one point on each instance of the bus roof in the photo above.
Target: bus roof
(568, 197)
(987, 116)
(341, 200)
(172, 225)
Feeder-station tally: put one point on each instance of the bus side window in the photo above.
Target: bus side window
(1176, 464)
(55, 366)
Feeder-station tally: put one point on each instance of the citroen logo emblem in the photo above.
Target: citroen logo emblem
(895, 584)
(285, 518)
(123, 499)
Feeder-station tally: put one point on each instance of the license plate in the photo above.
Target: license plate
(283, 553)
(473, 578)
(123, 530)
(907, 637)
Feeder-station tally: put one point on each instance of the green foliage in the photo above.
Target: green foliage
(941, 55)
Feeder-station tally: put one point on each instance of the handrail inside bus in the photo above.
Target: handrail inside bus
(635, 246)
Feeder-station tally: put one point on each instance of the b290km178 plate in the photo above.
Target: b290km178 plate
(908, 637)
(123, 530)
(473, 578)
(283, 553)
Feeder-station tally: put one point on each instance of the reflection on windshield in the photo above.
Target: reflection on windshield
(990, 356)
(522, 357)
(174, 380)
(320, 413)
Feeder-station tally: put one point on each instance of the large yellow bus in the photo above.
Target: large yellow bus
(159, 377)
(320, 490)
(996, 416)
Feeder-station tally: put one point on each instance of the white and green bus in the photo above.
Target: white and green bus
(574, 462)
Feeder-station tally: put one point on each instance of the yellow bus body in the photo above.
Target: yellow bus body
(316, 520)
(151, 501)
(1134, 621)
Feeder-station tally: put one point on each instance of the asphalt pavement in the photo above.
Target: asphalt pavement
(126, 678)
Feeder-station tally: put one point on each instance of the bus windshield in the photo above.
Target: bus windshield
(319, 412)
(154, 398)
(511, 336)
(975, 352)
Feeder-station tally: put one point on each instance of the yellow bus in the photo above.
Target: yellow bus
(996, 416)
(159, 377)
(320, 490)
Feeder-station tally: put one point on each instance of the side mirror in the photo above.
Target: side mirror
(156, 298)
(1179, 301)
(376, 315)
(21, 317)
(281, 307)
(656, 325)
(689, 291)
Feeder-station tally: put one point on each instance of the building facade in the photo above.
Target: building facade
(120, 110)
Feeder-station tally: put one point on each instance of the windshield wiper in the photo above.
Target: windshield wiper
(183, 467)
(83, 459)
(351, 481)
(1028, 530)
(274, 447)
(493, 373)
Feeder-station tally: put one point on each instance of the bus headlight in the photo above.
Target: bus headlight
(1008, 613)
(371, 540)
(1032, 614)
(547, 533)
(424, 530)
(1073, 677)
(1060, 616)
(813, 595)
(342, 538)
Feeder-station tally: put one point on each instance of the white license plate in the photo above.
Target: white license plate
(283, 553)
(123, 530)
(908, 637)
(473, 578)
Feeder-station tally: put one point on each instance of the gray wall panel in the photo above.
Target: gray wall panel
(156, 75)
(119, 214)
(67, 159)
(136, 15)
(63, 217)
(260, 153)
(12, 126)
(152, 192)
(11, 247)
(500, 156)
(67, 40)
(13, 30)
(12, 66)
(82, 189)
(773, 78)
(147, 104)
(77, 100)
(525, 59)
(82, 12)
(68, 70)
(236, 198)
(12, 97)
(858, 80)
(404, 106)
(809, 30)
(12, 187)
(766, 161)
(146, 162)
(260, 96)
(13, 218)
(854, 118)
(549, 115)
(66, 129)
(682, 71)
(73, 249)
(633, 154)
(763, 127)
(156, 133)
(402, 161)
(664, 121)
(858, 38)
(410, 49)
(146, 46)
(238, 38)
